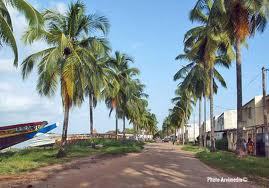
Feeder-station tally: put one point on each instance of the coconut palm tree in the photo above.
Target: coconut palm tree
(194, 79)
(98, 74)
(63, 62)
(151, 126)
(166, 125)
(206, 47)
(137, 112)
(245, 18)
(6, 29)
(239, 19)
(124, 74)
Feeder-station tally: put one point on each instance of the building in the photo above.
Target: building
(227, 120)
(192, 132)
(252, 124)
(252, 113)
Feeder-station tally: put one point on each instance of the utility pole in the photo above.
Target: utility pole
(266, 128)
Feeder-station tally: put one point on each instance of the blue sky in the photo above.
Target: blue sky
(152, 32)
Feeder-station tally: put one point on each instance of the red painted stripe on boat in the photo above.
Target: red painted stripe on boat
(23, 125)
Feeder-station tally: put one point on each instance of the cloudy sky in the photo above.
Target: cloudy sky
(152, 32)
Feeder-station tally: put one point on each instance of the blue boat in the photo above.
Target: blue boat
(15, 134)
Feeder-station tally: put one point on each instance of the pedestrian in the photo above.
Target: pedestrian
(174, 140)
(250, 146)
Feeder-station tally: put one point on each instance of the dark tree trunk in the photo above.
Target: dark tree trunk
(200, 125)
(91, 112)
(116, 125)
(166, 131)
(61, 152)
(212, 137)
(124, 128)
(183, 138)
(239, 96)
(204, 127)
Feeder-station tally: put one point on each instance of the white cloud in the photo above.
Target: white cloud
(5, 87)
(6, 66)
(14, 103)
(59, 6)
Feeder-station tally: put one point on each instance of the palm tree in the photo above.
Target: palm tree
(206, 47)
(63, 63)
(6, 30)
(183, 106)
(137, 111)
(152, 122)
(167, 125)
(98, 74)
(118, 100)
(241, 19)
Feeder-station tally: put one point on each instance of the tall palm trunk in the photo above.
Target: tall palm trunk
(204, 127)
(116, 116)
(167, 131)
(175, 136)
(124, 128)
(137, 131)
(61, 152)
(200, 125)
(183, 137)
(91, 112)
(212, 136)
(239, 96)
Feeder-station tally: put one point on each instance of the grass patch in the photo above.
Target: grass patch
(252, 167)
(192, 148)
(255, 168)
(15, 162)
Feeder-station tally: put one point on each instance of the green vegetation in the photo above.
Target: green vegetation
(223, 28)
(192, 148)
(254, 168)
(6, 29)
(14, 162)
(78, 63)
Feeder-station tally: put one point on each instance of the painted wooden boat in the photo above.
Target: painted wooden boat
(14, 134)
(42, 141)
(45, 139)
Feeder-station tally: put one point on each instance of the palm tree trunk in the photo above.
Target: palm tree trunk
(200, 125)
(91, 112)
(183, 137)
(116, 115)
(166, 131)
(239, 96)
(212, 137)
(204, 127)
(124, 128)
(61, 152)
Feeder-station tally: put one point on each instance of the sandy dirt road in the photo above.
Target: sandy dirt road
(159, 165)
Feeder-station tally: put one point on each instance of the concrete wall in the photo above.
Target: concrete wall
(190, 129)
(253, 112)
(230, 119)
(248, 114)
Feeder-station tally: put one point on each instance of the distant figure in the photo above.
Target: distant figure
(250, 146)
(174, 140)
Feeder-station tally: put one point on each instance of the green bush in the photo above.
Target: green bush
(222, 144)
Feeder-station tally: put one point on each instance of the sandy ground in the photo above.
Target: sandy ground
(159, 165)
